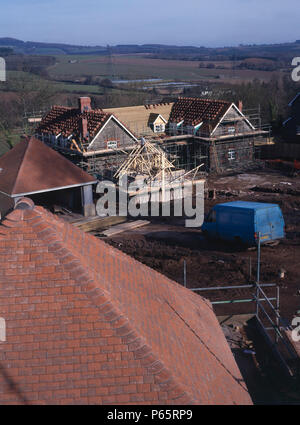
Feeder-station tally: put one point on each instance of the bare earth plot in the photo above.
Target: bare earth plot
(166, 243)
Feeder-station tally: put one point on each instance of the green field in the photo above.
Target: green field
(140, 67)
(19, 80)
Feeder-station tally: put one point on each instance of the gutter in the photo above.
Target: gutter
(17, 195)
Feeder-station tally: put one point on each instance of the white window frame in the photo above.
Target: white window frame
(159, 128)
(231, 155)
(114, 142)
(231, 130)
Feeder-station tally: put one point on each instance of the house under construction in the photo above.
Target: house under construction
(148, 166)
(91, 138)
(191, 132)
(214, 132)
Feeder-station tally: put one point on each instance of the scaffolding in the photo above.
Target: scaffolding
(274, 329)
(220, 152)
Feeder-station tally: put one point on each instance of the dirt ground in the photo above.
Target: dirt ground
(166, 243)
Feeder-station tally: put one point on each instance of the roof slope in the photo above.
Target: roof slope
(193, 111)
(136, 118)
(66, 121)
(89, 324)
(29, 167)
(247, 205)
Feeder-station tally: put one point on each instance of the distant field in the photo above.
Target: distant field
(137, 67)
(17, 79)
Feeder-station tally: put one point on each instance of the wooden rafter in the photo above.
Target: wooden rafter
(145, 159)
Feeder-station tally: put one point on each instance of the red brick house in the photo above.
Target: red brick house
(87, 324)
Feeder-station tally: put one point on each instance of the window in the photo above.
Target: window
(231, 154)
(212, 217)
(112, 144)
(231, 130)
(159, 128)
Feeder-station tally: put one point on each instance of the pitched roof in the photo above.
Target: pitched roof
(136, 118)
(67, 121)
(193, 111)
(153, 117)
(88, 324)
(31, 167)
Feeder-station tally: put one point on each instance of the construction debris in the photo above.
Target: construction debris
(119, 228)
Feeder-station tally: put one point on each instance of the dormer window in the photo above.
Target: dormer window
(159, 128)
(157, 123)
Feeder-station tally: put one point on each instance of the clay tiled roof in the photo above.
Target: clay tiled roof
(66, 121)
(86, 323)
(193, 111)
(31, 166)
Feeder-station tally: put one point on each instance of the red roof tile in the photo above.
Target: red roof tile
(67, 121)
(193, 111)
(89, 324)
(31, 166)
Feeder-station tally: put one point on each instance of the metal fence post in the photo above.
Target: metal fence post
(258, 276)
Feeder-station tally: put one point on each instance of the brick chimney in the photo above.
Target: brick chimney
(84, 104)
(240, 105)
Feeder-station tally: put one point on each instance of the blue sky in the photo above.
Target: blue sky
(180, 22)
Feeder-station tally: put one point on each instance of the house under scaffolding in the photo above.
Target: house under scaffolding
(230, 148)
(234, 146)
(199, 131)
